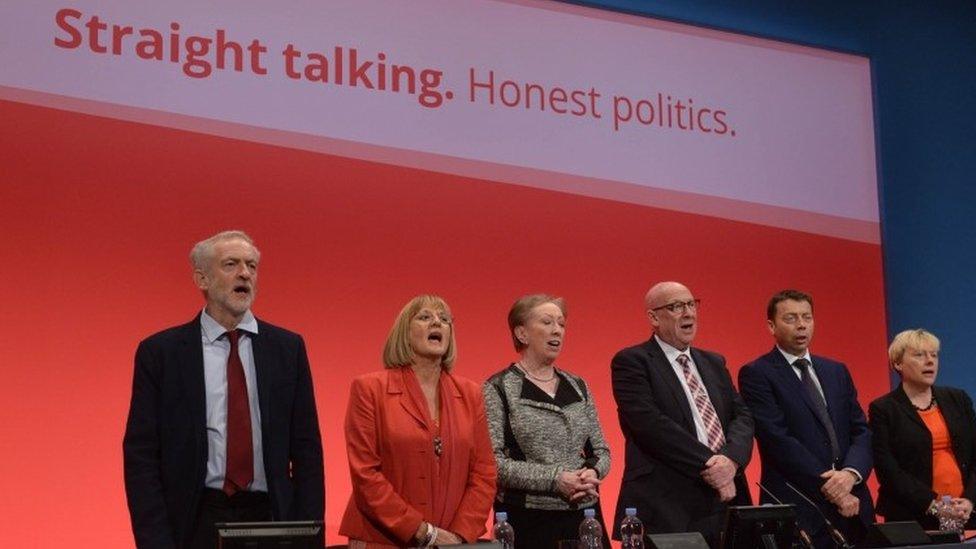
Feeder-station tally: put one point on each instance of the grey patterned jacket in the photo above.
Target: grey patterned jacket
(535, 437)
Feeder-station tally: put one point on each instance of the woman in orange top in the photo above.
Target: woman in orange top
(924, 437)
(421, 461)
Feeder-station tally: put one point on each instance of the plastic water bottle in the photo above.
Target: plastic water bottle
(503, 532)
(947, 522)
(631, 530)
(590, 531)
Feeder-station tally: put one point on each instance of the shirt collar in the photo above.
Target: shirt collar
(212, 330)
(790, 359)
(670, 351)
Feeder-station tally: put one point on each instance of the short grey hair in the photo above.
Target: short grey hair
(203, 251)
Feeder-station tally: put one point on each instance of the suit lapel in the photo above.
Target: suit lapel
(265, 363)
(792, 381)
(906, 408)
(194, 383)
(670, 377)
(829, 388)
(396, 385)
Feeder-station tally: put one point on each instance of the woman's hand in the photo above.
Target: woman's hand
(441, 536)
(577, 485)
(447, 538)
(962, 508)
(421, 535)
(567, 484)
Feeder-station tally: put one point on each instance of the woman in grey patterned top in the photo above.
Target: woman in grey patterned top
(547, 439)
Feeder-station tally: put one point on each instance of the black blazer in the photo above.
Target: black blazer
(165, 444)
(903, 452)
(664, 459)
(794, 446)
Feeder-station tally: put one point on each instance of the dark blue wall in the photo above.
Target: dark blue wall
(924, 61)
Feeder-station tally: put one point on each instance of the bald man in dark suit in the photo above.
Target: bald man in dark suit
(688, 433)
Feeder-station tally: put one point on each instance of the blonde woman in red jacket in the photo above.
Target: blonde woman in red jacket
(421, 461)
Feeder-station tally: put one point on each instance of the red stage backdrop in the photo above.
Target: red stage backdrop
(113, 165)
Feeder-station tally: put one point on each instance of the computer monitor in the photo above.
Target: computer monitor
(764, 526)
(307, 534)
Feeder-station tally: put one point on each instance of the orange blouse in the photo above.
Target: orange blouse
(946, 475)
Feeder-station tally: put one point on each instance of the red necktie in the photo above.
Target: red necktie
(713, 427)
(240, 452)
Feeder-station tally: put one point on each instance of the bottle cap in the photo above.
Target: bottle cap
(589, 513)
(630, 511)
(501, 516)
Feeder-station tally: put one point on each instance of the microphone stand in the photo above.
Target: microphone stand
(839, 540)
(803, 535)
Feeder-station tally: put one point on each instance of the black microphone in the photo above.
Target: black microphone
(804, 536)
(838, 538)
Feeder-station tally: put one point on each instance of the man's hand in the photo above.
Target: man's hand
(719, 471)
(848, 506)
(727, 492)
(838, 485)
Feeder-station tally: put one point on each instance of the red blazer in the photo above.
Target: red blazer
(391, 460)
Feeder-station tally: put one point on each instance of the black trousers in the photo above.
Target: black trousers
(216, 506)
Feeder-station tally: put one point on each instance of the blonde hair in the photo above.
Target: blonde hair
(913, 339)
(203, 251)
(518, 315)
(397, 351)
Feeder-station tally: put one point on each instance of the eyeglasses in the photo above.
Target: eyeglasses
(680, 306)
(428, 317)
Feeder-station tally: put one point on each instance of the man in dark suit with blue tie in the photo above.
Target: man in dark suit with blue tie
(222, 425)
(812, 433)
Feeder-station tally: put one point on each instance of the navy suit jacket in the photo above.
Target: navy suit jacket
(165, 445)
(793, 444)
(664, 458)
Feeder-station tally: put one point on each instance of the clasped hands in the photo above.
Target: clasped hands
(837, 490)
(576, 486)
(441, 536)
(719, 473)
(960, 508)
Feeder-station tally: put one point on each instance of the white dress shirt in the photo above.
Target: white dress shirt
(791, 360)
(216, 349)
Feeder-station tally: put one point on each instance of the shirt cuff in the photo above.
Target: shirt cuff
(857, 475)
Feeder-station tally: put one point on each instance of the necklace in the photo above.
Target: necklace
(539, 379)
(932, 404)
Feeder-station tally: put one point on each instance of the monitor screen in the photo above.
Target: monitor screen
(766, 527)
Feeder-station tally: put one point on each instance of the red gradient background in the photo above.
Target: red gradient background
(98, 217)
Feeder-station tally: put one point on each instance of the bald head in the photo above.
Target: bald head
(673, 313)
(659, 293)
